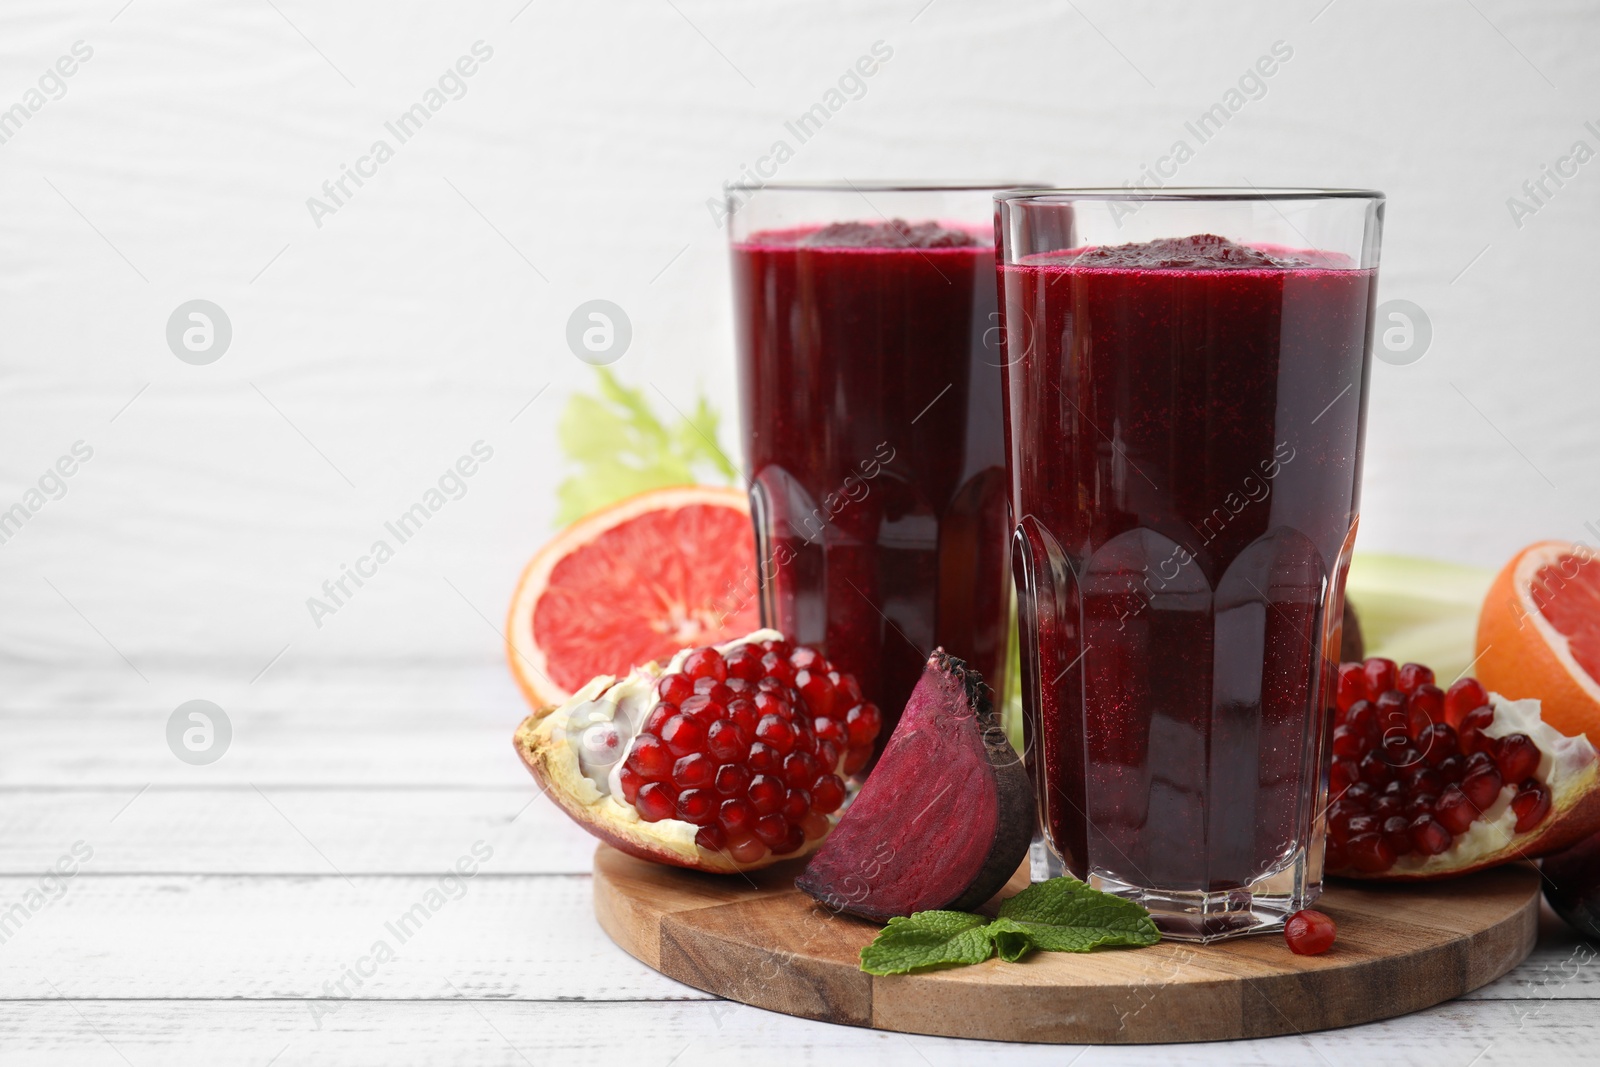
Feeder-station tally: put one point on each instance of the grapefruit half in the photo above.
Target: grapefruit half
(1539, 634)
(632, 583)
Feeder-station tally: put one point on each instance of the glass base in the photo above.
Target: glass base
(1197, 915)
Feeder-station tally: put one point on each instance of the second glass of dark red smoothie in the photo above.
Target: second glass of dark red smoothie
(1186, 375)
(869, 382)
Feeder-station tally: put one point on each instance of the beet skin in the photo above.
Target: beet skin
(945, 817)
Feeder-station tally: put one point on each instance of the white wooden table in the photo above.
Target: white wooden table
(223, 906)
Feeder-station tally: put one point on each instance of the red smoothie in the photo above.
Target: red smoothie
(870, 391)
(1186, 423)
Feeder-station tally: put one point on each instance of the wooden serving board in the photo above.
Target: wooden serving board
(760, 941)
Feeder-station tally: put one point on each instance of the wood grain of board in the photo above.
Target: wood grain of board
(762, 942)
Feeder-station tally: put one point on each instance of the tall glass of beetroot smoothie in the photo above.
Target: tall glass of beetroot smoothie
(869, 383)
(1185, 388)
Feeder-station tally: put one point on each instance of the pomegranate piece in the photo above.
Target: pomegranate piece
(1415, 768)
(722, 740)
(1309, 933)
(934, 840)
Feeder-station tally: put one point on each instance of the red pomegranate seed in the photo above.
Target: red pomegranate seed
(1348, 743)
(746, 848)
(796, 803)
(711, 838)
(1395, 834)
(1351, 686)
(1428, 836)
(1462, 697)
(772, 830)
(683, 735)
(745, 662)
(776, 732)
(846, 689)
(674, 688)
(791, 840)
(766, 794)
(815, 825)
(1413, 675)
(1391, 709)
(862, 723)
(1421, 804)
(1454, 811)
(719, 691)
(1517, 757)
(698, 806)
(1361, 824)
(799, 769)
(742, 712)
(631, 781)
(1424, 707)
(1369, 852)
(1309, 933)
(1360, 796)
(658, 717)
(828, 728)
(828, 753)
(779, 646)
(779, 667)
(1438, 742)
(706, 662)
(723, 742)
(1375, 770)
(694, 771)
(702, 709)
(816, 690)
(1531, 805)
(736, 816)
(827, 793)
(1482, 787)
(1363, 717)
(1380, 674)
(1388, 805)
(650, 758)
(1473, 740)
(805, 659)
(733, 779)
(764, 759)
(1452, 768)
(656, 802)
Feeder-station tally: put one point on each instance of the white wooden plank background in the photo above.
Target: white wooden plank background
(371, 752)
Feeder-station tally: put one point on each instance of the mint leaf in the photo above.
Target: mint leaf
(621, 447)
(1065, 915)
(925, 940)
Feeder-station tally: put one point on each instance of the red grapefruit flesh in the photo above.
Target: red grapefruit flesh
(631, 584)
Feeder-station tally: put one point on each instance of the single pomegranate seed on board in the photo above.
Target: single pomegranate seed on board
(1309, 933)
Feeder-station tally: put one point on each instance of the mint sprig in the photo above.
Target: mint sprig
(1059, 915)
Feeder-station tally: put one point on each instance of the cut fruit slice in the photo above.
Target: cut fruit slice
(1428, 783)
(631, 584)
(1539, 634)
(946, 815)
(717, 761)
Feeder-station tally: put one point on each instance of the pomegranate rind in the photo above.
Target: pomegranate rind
(1507, 658)
(543, 743)
(529, 662)
(1569, 767)
(898, 848)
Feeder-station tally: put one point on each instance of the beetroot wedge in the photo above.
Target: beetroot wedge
(945, 817)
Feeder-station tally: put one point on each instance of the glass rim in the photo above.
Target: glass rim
(911, 185)
(1180, 194)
